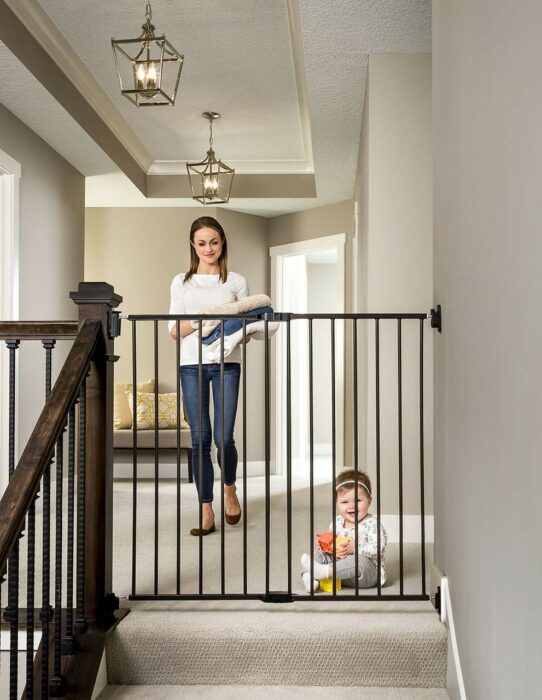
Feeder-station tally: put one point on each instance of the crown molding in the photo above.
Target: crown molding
(245, 167)
(296, 38)
(41, 27)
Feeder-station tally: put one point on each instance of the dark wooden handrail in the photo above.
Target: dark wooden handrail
(25, 481)
(38, 330)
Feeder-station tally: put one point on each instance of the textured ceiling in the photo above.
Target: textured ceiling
(239, 60)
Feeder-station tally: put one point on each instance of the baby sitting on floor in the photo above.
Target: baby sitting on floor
(350, 513)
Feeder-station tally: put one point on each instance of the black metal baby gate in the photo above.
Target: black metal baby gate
(378, 358)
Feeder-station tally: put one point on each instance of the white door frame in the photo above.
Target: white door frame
(10, 174)
(277, 254)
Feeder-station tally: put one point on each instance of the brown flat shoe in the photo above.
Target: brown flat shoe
(233, 519)
(196, 531)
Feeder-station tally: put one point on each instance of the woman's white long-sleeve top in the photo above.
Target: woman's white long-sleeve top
(200, 292)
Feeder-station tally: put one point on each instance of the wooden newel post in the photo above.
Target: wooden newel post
(96, 300)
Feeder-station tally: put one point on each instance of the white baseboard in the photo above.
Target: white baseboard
(411, 528)
(455, 684)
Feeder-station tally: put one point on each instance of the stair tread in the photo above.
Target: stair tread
(279, 647)
(250, 692)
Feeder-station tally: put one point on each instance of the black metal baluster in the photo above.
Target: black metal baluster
(80, 620)
(57, 683)
(422, 466)
(11, 613)
(400, 431)
(134, 457)
(31, 550)
(267, 462)
(289, 454)
(156, 467)
(333, 456)
(245, 499)
(356, 446)
(377, 394)
(68, 643)
(200, 456)
(311, 457)
(222, 465)
(46, 609)
(178, 386)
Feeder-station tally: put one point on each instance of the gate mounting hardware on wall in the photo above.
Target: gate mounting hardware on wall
(436, 318)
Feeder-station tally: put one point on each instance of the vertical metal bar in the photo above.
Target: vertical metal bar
(356, 447)
(200, 456)
(80, 620)
(333, 456)
(31, 549)
(289, 453)
(400, 432)
(46, 611)
(377, 396)
(422, 466)
(68, 646)
(134, 457)
(222, 464)
(178, 383)
(156, 475)
(267, 461)
(245, 499)
(311, 456)
(56, 687)
(11, 614)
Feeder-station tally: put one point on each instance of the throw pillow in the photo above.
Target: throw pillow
(145, 410)
(122, 414)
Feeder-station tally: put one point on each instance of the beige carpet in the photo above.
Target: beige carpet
(197, 692)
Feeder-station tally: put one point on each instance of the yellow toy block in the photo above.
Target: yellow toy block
(326, 584)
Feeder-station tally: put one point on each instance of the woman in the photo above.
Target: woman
(208, 283)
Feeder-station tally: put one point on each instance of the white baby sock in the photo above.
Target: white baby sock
(320, 570)
(306, 576)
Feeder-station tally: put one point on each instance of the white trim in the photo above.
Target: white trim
(43, 29)
(242, 167)
(322, 243)
(10, 173)
(277, 253)
(101, 681)
(21, 641)
(456, 686)
(411, 528)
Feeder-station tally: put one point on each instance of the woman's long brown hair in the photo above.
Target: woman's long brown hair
(208, 222)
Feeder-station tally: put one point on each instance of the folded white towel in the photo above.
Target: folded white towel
(256, 329)
(241, 306)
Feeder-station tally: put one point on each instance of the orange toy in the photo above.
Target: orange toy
(325, 541)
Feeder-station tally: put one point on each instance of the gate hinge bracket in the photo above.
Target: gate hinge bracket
(436, 318)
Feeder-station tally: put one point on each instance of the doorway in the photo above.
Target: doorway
(309, 277)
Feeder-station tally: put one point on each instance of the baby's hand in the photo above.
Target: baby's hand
(345, 549)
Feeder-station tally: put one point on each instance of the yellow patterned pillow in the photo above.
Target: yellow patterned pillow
(145, 410)
(122, 414)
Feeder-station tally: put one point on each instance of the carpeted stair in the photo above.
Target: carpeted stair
(242, 650)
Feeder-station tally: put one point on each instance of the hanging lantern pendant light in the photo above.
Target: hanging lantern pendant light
(211, 180)
(148, 67)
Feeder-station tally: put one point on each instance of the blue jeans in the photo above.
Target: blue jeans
(190, 387)
(232, 325)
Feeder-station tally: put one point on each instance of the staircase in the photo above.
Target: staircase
(249, 649)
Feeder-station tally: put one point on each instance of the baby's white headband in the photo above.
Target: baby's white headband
(351, 481)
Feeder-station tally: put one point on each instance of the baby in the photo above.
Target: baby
(348, 515)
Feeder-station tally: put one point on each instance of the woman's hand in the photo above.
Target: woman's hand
(344, 550)
(185, 328)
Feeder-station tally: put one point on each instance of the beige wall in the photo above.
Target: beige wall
(139, 251)
(51, 240)
(394, 195)
(488, 247)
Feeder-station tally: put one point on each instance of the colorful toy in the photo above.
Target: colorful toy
(326, 584)
(325, 541)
